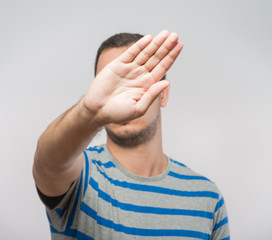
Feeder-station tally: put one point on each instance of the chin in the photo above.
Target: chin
(124, 128)
(132, 133)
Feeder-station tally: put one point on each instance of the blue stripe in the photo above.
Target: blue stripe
(59, 212)
(95, 149)
(87, 172)
(72, 233)
(155, 189)
(220, 224)
(219, 205)
(147, 209)
(67, 232)
(82, 236)
(227, 238)
(71, 218)
(53, 230)
(108, 164)
(142, 231)
(179, 163)
(187, 177)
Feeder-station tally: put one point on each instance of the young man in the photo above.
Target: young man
(127, 188)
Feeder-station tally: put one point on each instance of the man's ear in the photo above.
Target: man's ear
(164, 96)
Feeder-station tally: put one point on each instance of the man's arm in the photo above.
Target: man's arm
(58, 159)
(121, 92)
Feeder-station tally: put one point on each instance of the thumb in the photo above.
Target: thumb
(147, 99)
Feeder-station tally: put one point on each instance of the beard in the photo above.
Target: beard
(133, 139)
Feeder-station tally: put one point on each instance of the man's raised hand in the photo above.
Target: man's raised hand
(125, 88)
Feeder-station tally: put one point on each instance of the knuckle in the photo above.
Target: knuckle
(146, 54)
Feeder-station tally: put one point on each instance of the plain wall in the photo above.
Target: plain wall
(219, 115)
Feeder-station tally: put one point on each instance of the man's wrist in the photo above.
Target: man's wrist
(88, 116)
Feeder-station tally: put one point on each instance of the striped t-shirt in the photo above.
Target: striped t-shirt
(109, 202)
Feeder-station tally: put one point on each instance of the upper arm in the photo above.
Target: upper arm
(56, 181)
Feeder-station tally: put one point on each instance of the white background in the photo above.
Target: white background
(218, 120)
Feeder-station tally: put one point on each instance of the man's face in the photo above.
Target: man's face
(139, 130)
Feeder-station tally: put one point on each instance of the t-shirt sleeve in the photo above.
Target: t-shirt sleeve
(50, 202)
(221, 224)
(62, 216)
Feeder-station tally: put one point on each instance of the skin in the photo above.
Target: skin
(154, 162)
(126, 90)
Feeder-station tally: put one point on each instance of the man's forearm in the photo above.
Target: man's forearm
(57, 160)
(66, 137)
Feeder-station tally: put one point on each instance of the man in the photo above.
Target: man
(127, 188)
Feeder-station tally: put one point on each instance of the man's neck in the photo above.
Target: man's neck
(145, 160)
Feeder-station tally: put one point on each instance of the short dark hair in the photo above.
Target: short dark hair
(115, 41)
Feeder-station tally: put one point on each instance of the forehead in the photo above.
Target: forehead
(109, 55)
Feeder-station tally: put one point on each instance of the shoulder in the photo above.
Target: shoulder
(186, 177)
(99, 156)
(184, 172)
(95, 153)
(95, 149)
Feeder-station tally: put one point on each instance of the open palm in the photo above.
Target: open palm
(127, 86)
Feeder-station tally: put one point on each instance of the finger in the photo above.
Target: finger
(160, 70)
(152, 93)
(148, 52)
(165, 49)
(130, 54)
